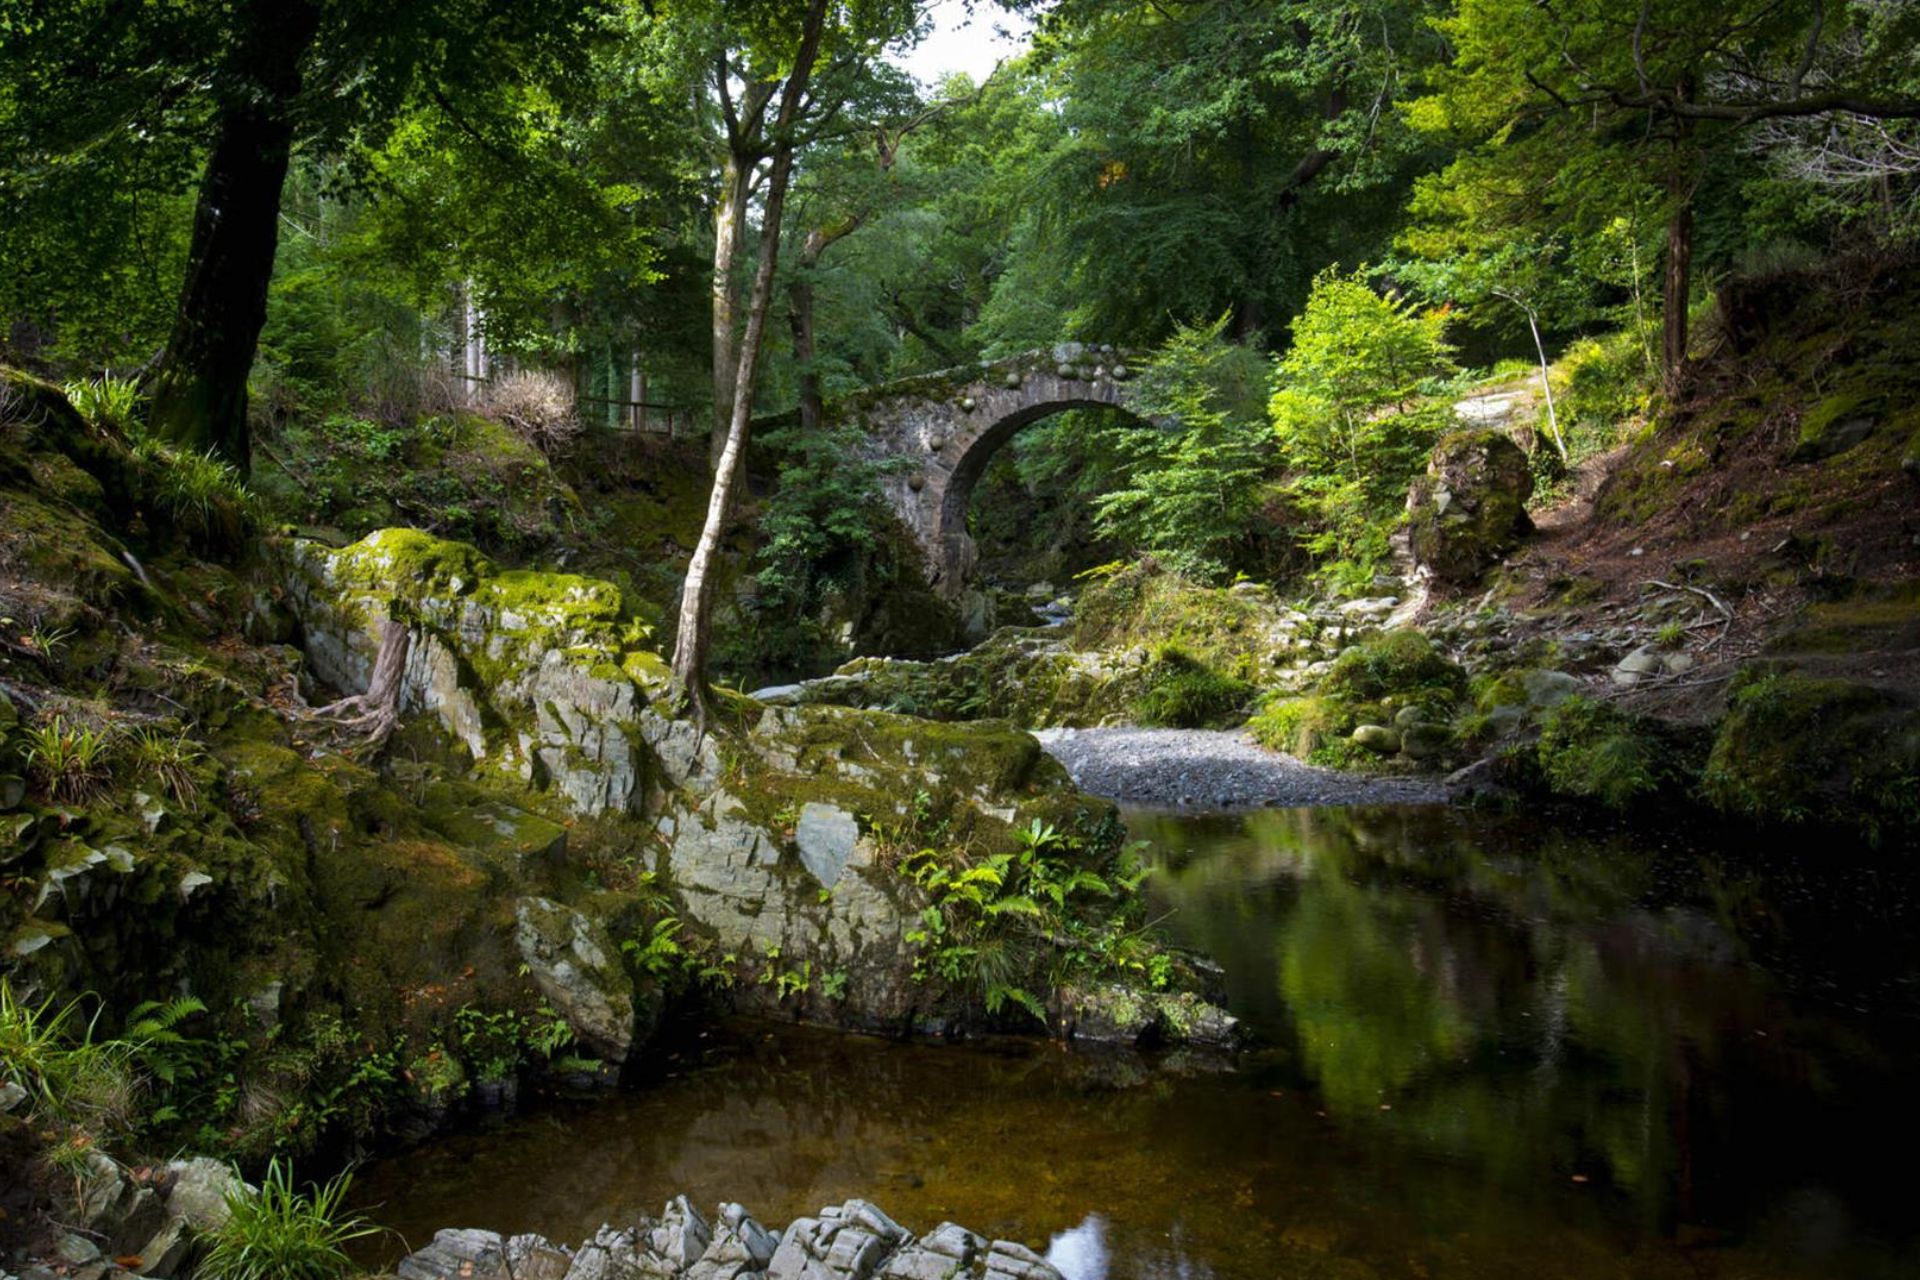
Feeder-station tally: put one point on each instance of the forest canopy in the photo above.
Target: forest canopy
(257, 213)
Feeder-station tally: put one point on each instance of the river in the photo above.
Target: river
(1487, 1048)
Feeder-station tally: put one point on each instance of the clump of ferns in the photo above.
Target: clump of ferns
(71, 761)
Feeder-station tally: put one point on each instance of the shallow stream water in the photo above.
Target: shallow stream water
(1488, 1049)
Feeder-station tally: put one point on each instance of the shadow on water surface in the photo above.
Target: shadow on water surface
(1489, 1049)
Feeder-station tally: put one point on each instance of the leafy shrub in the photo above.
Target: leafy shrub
(71, 762)
(1182, 692)
(282, 1233)
(1008, 926)
(496, 1045)
(537, 406)
(1187, 485)
(1592, 750)
(107, 401)
(1349, 413)
(824, 532)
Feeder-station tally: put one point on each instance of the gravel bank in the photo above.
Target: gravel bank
(1214, 769)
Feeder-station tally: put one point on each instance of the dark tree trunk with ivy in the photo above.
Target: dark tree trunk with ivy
(200, 385)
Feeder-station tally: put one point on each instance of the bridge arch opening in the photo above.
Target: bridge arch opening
(1025, 508)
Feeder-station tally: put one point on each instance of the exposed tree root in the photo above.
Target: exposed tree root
(373, 715)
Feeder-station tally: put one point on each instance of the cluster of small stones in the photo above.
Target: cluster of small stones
(852, 1241)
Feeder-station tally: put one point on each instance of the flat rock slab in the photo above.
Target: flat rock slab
(826, 835)
(1215, 769)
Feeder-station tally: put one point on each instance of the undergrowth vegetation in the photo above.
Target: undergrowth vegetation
(1013, 925)
(281, 1232)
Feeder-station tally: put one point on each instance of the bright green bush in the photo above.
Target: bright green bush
(1350, 413)
(1187, 492)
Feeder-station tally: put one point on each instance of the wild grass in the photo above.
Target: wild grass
(283, 1233)
(107, 401)
(202, 494)
(70, 761)
(169, 759)
(73, 1077)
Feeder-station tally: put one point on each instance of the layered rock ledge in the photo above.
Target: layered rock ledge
(851, 1241)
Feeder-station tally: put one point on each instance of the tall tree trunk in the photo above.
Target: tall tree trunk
(200, 386)
(800, 321)
(1677, 285)
(693, 638)
(729, 238)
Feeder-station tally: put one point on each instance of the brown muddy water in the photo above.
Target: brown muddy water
(1490, 1049)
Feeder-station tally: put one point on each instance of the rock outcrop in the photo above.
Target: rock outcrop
(1470, 506)
(540, 676)
(851, 1241)
(780, 851)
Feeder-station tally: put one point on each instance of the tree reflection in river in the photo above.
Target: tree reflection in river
(1541, 1003)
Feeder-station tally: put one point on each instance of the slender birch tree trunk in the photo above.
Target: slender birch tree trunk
(692, 640)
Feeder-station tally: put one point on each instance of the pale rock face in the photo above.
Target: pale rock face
(575, 965)
(826, 834)
(533, 673)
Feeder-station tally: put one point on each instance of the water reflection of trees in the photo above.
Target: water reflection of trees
(1535, 1001)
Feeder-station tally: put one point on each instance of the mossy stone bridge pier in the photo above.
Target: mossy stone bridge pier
(946, 427)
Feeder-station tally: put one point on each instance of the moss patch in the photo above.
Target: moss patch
(1797, 749)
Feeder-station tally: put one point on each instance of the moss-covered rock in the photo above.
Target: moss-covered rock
(1470, 506)
(1798, 749)
(1835, 425)
(1391, 689)
(1874, 618)
(1182, 692)
(541, 676)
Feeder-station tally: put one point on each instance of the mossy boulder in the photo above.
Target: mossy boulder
(1834, 425)
(1803, 750)
(1471, 505)
(542, 677)
(1392, 688)
(1873, 618)
(1180, 691)
(40, 420)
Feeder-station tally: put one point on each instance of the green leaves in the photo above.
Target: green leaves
(1188, 478)
(283, 1233)
(1348, 414)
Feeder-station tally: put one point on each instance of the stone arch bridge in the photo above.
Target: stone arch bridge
(948, 425)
